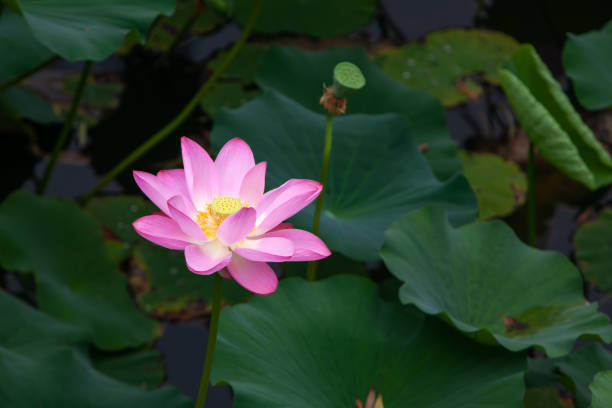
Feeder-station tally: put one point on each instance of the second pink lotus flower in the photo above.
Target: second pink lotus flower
(217, 212)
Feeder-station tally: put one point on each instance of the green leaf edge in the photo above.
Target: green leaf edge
(484, 335)
(539, 124)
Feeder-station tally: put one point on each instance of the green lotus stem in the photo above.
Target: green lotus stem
(531, 204)
(311, 269)
(183, 114)
(26, 74)
(68, 123)
(212, 341)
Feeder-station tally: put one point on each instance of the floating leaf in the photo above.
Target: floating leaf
(301, 74)
(244, 65)
(97, 94)
(593, 243)
(544, 397)
(587, 59)
(318, 18)
(117, 213)
(226, 95)
(117, 251)
(164, 288)
(143, 368)
(602, 390)
(441, 63)
(97, 97)
(43, 363)
(170, 290)
(325, 343)
(164, 32)
(76, 282)
(500, 186)
(26, 53)
(28, 104)
(236, 87)
(581, 366)
(17, 41)
(376, 173)
(489, 284)
(96, 27)
(550, 121)
(334, 264)
(542, 373)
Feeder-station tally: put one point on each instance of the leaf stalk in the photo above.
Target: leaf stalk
(311, 269)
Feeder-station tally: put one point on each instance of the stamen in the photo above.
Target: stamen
(215, 213)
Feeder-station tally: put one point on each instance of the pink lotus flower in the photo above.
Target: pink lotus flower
(218, 214)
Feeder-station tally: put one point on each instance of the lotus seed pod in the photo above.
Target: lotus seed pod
(347, 79)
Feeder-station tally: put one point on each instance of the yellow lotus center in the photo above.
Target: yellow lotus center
(215, 213)
(226, 205)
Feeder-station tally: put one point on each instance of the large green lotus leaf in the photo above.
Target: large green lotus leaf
(581, 366)
(300, 75)
(602, 390)
(325, 343)
(142, 368)
(117, 213)
(89, 29)
(500, 186)
(439, 64)
(376, 173)
(318, 18)
(17, 41)
(76, 281)
(550, 121)
(43, 363)
(170, 290)
(487, 283)
(587, 59)
(28, 104)
(593, 244)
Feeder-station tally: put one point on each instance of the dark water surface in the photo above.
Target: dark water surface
(184, 348)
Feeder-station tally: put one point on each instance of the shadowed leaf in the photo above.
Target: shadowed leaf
(44, 363)
(593, 243)
(550, 121)
(587, 59)
(76, 281)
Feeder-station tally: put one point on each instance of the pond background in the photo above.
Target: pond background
(155, 92)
